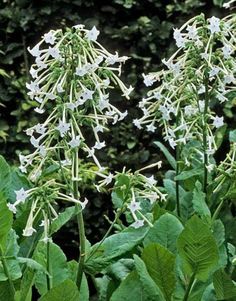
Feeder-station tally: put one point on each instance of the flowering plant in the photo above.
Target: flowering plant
(165, 242)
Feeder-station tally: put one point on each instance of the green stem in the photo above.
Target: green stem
(190, 285)
(6, 271)
(205, 179)
(48, 276)
(177, 169)
(177, 181)
(107, 233)
(80, 221)
(217, 211)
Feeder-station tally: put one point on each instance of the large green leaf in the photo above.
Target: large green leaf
(224, 287)
(63, 218)
(5, 291)
(197, 248)
(167, 154)
(5, 175)
(66, 291)
(129, 289)
(149, 286)
(199, 204)
(11, 252)
(165, 231)
(5, 220)
(160, 265)
(58, 266)
(113, 247)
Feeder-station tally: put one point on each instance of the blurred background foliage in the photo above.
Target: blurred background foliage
(142, 30)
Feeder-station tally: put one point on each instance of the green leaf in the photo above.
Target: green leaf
(6, 219)
(58, 266)
(224, 287)
(160, 265)
(32, 264)
(167, 154)
(129, 289)
(113, 247)
(120, 269)
(5, 175)
(12, 262)
(26, 285)
(232, 136)
(184, 175)
(66, 291)
(197, 249)
(199, 204)
(149, 286)
(165, 231)
(5, 292)
(63, 218)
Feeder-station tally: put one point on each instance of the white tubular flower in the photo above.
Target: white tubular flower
(21, 195)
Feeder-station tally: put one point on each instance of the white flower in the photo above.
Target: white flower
(60, 88)
(218, 121)
(92, 34)
(149, 79)
(84, 203)
(150, 181)
(40, 128)
(99, 145)
(214, 71)
(227, 51)
(190, 110)
(134, 206)
(11, 207)
(63, 128)
(28, 231)
(80, 71)
(137, 224)
(49, 38)
(75, 142)
(35, 51)
(192, 32)
(21, 195)
(54, 52)
(108, 178)
(39, 111)
(137, 123)
(178, 36)
(42, 150)
(151, 128)
(34, 141)
(214, 25)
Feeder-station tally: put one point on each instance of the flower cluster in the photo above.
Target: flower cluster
(198, 78)
(133, 190)
(71, 77)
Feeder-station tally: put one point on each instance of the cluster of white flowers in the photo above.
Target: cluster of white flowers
(139, 188)
(198, 77)
(71, 77)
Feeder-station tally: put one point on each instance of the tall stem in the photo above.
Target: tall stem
(177, 169)
(205, 162)
(80, 221)
(49, 280)
(177, 181)
(6, 271)
(190, 285)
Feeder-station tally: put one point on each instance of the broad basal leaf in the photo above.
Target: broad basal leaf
(113, 247)
(224, 287)
(165, 232)
(197, 249)
(5, 220)
(160, 265)
(58, 266)
(66, 291)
